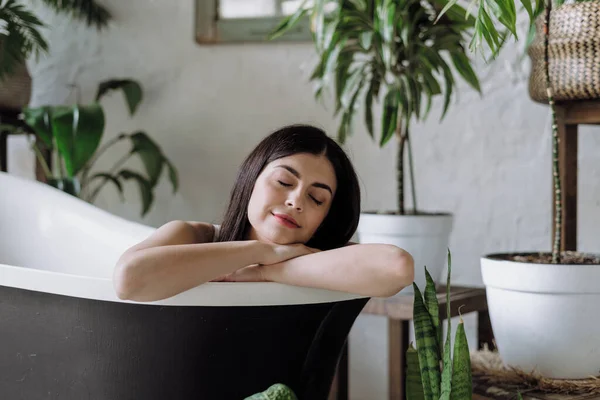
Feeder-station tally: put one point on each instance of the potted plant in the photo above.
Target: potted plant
(541, 303)
(367, 55)
(21, 37)
(434, 371)
(73, 134)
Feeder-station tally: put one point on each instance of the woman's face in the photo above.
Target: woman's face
(290, 199)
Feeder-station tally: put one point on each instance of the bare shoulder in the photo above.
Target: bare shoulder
(171, 233)
(350, 244)
(204, 231)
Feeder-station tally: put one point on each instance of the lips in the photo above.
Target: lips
(287, 218)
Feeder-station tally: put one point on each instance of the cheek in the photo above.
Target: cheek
(317, 218)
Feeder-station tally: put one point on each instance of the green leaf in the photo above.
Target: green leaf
(289, 22)
(432, 305)
(20, 37)
(527, 6)
(173, 176)
(447, 371)
(110, 178)
(344, 128)
(144, 186)
(462, 384)
(150, 155)
(353, 84)
(414, 384)
(445, 9)
(318, 24)
(463, 66)
(88, 11)
(131, 90)
(426, 347)
(40, 120)
(506, 13)
(366, 39)
(390, 115)
(369, 109)
(77, 131)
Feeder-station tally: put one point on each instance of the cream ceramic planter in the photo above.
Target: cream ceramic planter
(425, 237)
(545, 317)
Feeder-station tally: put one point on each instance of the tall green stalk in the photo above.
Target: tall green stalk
(400, 169)
(555, 143)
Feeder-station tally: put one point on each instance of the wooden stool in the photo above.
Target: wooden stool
(399, 311)
(569, 115)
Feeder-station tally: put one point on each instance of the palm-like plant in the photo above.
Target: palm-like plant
(405, 46)
(394, 49)
(20, 35)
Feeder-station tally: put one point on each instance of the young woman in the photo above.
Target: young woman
(293, 209)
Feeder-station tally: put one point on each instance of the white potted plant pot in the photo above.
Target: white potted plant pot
(545, 317)
(424, 236)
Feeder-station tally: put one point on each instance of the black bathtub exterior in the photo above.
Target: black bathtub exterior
(68, 348)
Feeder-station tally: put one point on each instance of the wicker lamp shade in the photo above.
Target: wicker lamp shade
(574, 53)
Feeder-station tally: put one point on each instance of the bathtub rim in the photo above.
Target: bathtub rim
(213, 294)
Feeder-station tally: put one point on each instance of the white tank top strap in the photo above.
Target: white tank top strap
(217, 232)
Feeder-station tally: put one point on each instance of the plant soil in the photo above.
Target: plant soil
(566, 257)
(407, 212)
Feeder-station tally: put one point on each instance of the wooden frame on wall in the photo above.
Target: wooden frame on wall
(210, 29)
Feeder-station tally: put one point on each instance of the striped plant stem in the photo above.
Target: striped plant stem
(400, 168)
(555, 142)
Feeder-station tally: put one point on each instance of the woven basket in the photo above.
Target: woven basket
(15, 90)
(574, 52)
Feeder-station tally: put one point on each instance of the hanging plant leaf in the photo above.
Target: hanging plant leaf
(150, 155)
(131, 90)
(40, 120)
(144, 186)
(173, 176)
(390, 116)
(110, 178)
(78, 131)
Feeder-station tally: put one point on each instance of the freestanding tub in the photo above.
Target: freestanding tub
(64, 334)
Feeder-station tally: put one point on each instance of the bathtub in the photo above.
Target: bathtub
(64, 334)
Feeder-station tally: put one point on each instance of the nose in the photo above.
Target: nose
(294, 200)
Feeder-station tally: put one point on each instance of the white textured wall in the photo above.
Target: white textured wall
(488, 162)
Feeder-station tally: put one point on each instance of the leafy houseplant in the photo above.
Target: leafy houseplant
(20, 35)
(542, 284)
(73, 134)
(404, 55)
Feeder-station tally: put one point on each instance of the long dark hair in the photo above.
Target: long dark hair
(342, 219)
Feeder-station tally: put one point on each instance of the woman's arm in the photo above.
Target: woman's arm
(374, 270)
(174, 259)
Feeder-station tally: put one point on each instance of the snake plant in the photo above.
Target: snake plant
(434, 372)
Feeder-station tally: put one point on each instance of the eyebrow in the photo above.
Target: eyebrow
(297, 175)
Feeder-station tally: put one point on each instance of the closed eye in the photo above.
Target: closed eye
(289, 184)
(316, 201)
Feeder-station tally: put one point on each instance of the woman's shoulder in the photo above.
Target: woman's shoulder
(206, 232)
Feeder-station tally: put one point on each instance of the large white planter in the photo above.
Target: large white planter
(425, 237)
(545, 317)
